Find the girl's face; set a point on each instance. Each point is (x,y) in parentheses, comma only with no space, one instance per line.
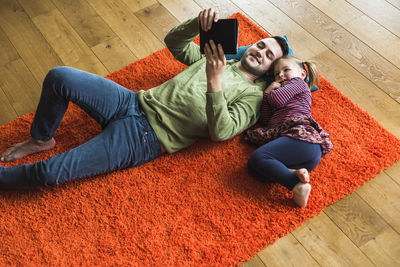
(286,70)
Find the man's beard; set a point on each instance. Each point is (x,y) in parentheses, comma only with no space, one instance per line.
(255,70)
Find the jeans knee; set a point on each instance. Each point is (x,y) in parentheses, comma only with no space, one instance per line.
(256,169)
(57,73)
(253,161)
(257,157)
(56,76)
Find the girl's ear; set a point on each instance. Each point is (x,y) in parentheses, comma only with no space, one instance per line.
(303,74)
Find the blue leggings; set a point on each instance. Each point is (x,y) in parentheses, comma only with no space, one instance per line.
(271,162)
(127,138)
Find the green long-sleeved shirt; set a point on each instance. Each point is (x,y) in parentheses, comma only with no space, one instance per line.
(181,111)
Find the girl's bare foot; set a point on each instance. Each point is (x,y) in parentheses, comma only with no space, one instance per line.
(26,148)
(302,174)
(301,192)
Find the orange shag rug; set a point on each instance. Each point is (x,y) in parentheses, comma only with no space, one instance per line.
(198,207)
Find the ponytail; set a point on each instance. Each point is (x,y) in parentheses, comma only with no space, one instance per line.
(312,73)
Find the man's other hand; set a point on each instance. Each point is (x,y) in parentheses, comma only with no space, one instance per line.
(207,17)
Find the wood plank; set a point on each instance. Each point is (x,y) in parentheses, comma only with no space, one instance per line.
(254,262)
(360,90)
(224,7)
(357,23)
(388,45)
(114,54)
(356,219)
(85,21)
(138,38)
(66,42)
(382,12)
(20,87)
(7,112)
(383,195)
(394,172)
(8,52)
(287,251)
(182,9)
(158,19)
(137,5)
(395,3)
(384,249)
(380,71)
(36,8)
(278,23)
(339,10)
(27,40)
(96,33)
(328,245)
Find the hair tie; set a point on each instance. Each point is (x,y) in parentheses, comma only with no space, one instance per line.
(305,67)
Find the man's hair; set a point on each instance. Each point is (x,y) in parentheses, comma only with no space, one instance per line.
(283,44)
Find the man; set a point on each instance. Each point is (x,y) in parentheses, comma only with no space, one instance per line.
(218,104)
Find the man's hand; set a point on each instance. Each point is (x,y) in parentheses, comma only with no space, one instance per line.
(272,86)
(207,17)
(215,64)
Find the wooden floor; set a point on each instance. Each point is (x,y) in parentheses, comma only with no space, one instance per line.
(355,43)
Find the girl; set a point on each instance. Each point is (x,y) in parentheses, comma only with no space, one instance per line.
(291,141)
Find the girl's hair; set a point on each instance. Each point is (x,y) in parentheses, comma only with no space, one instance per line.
(308,66)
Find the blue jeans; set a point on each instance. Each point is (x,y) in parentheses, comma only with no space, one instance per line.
(127,138)
(272,161)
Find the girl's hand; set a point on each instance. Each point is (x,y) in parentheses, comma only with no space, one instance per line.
(272,86)
(215,64)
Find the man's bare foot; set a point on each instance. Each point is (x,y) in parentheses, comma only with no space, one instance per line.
(301,192)
(26,148)
(302,174)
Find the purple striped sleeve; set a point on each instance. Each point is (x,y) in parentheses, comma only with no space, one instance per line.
(279,97)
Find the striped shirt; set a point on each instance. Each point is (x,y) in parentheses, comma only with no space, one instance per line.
(289,101)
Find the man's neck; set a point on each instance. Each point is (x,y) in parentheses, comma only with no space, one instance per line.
(251,77)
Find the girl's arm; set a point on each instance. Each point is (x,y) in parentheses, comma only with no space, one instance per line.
(280,96)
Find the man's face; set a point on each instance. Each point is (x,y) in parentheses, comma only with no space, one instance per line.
(258,58)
